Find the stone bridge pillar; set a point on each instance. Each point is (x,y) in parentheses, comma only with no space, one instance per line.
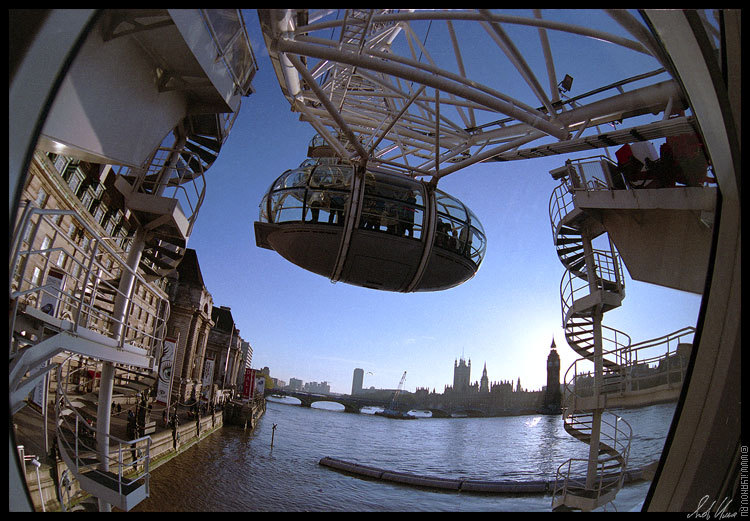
(350,407)
(306,401)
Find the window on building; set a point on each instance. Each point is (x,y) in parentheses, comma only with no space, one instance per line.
(60,162)
(100,213)
(27,233)
(41,198)
(75,180)
(36,277)
(75,269)
(86,199)
(122,238)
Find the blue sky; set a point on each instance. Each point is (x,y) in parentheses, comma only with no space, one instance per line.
(303,326)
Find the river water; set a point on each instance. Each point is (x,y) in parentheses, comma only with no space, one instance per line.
(234,470)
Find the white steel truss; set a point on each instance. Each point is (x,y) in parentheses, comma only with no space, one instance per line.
(428,92)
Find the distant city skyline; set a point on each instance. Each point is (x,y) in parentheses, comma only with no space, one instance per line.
(302,383)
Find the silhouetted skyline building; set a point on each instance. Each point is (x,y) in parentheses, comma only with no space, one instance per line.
(552,395)
(484,383)
(461,375)
(486,397)
(357,379)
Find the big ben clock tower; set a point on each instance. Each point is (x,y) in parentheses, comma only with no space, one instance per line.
(552,397)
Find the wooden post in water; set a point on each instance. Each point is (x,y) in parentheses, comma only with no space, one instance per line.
(273,432)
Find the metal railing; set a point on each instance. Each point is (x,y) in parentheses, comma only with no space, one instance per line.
(560,204)
(614,341)
(594,173)
(77,281)
(608,275)
(77,441)
(602,272)
(585,174)
(645,365)
(184,181)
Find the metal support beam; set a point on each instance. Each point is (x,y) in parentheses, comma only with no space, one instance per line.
(377,62)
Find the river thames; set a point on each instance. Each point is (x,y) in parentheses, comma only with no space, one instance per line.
(234,470)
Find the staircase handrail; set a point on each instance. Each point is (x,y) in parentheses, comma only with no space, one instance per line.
(607,269)
(615,433)
(140,452)
(618,436)
(561,200)
(560,204)
(588,285)
(665,339)
(623,379)
(184,173)
(88,284)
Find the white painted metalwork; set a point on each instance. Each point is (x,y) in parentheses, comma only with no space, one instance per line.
(429,92)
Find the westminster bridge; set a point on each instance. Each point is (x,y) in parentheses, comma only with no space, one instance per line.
(354,404)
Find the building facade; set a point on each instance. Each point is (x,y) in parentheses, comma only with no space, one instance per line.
(485,397)
(189,324)
(71,240)
(223,356)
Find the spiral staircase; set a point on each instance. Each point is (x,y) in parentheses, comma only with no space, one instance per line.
(611,371)
(167,197)
(591,286)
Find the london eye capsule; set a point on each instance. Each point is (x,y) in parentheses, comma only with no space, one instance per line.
(372,228)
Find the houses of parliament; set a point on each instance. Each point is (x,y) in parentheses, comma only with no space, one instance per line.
(495,398)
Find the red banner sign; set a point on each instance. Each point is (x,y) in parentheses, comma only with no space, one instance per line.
(248,384)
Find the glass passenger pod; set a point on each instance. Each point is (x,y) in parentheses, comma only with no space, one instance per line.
(394,245)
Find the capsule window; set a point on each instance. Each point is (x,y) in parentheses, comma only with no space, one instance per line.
(450,234)
(334,177)
(326,206)
(392,206)
(287,205)
(308,163)
(264,209)
(328,194)
(476,246)
(450,206)
(396,218)
(296,178)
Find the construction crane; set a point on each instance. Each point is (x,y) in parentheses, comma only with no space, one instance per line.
(398,391)
(391,411)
